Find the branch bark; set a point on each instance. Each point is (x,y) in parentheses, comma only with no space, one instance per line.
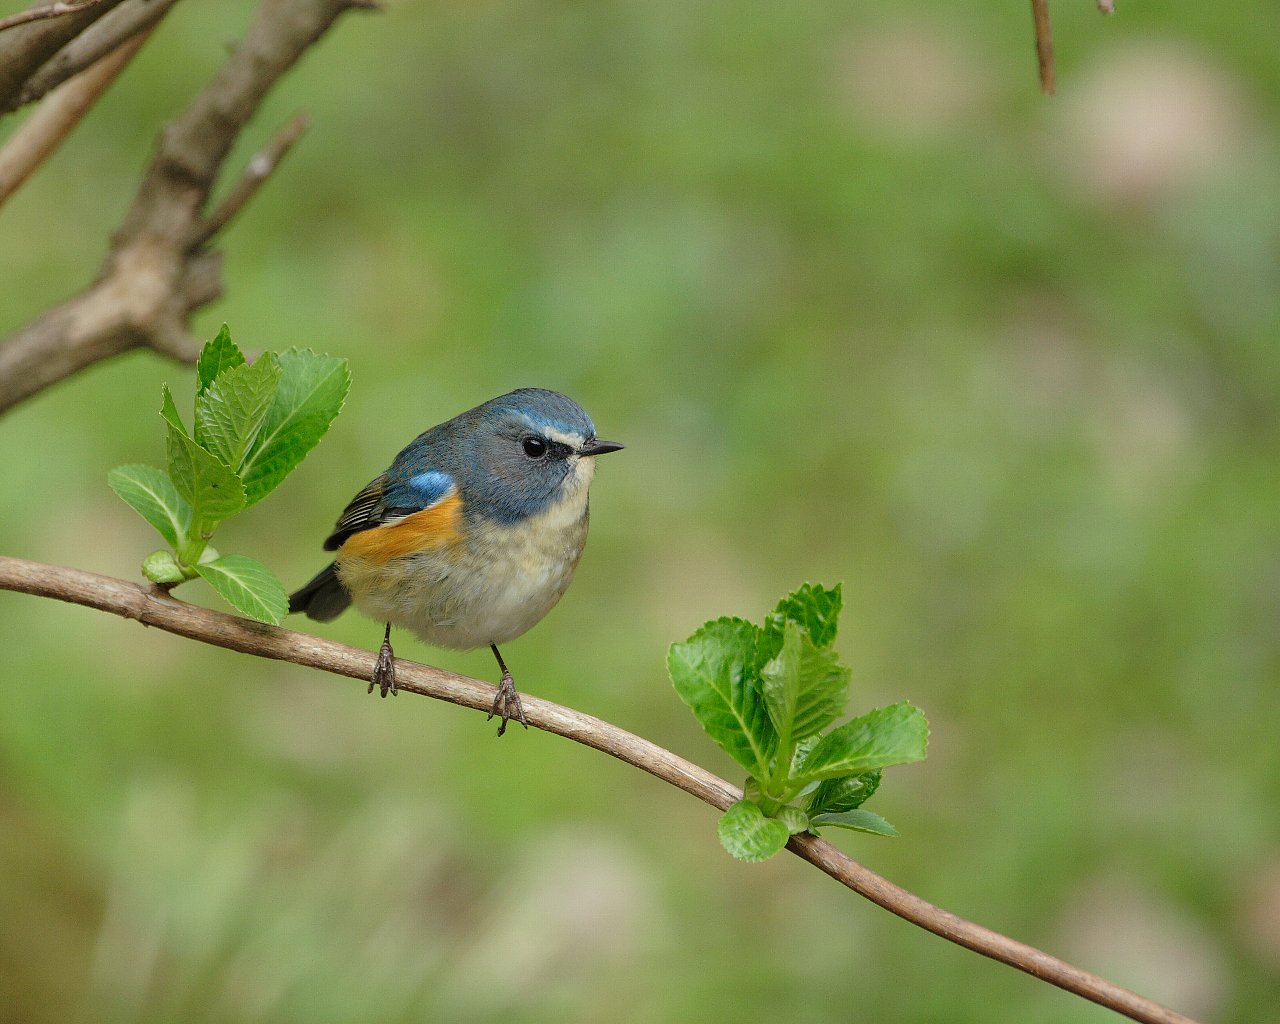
(125,22)
(28,44)
(1044,45)
(153,607)
(51,11)
(42,133)
(157,273)
(259,169)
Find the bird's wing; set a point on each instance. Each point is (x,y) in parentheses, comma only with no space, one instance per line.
(387,500)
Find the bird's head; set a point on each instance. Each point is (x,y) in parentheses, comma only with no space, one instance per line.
(529,450)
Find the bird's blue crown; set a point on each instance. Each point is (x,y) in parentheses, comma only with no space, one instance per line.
(481,453)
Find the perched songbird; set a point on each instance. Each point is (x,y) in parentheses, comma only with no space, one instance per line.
(471,536)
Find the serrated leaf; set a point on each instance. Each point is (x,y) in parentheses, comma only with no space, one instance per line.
(805,687)
(217,355)
(230,411)
(860,820)
(213,491)
(150,493)
(310,394)
(813,607)
(897,734)
(248,586)
(748,835)
(713,672)
(844,794)
(780,683)
(170,411)
(824,689)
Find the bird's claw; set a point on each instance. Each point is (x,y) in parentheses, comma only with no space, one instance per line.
(507,704)
(384,670)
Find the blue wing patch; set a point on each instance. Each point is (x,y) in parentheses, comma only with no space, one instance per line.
(428,488)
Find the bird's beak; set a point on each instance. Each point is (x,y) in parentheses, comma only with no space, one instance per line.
(600,448)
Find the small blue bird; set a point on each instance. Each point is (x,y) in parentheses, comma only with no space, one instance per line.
(471,536)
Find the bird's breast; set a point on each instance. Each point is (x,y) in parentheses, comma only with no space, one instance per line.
(489,586)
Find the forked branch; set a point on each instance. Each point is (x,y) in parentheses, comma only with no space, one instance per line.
(158,271)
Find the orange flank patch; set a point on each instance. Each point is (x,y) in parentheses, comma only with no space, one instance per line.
(436,527)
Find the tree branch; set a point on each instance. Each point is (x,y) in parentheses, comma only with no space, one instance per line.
(43,132)
(29,43)
(260,168)
(102,37)
(151,283)
(153,607)
(1044,44)
(51,11)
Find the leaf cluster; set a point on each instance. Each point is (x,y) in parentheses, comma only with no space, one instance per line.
(765,693)
(253,424)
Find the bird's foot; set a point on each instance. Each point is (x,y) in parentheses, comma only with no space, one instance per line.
(384,670)
(507,703)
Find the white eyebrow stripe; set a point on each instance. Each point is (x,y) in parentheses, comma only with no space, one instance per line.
(574,441)
(572,438)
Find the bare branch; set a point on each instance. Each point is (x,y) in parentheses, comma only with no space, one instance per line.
(26,46)
(154,607)
(256,173)
(42,133)
(52,11)
(147,289)
(94,325)
(99,39)
(1044,44)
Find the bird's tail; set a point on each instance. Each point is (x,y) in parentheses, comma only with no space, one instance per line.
(324,598)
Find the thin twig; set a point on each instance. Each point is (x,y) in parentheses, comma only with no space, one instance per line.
(42,133)
(153,607)
(149,286)
(28,45)
(1044,44)
(259,168)
(99,39)
(40,13)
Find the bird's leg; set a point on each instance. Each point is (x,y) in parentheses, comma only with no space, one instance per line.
(384,671)
(507,702)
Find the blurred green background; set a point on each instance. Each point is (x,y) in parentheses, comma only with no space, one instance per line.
(865,306)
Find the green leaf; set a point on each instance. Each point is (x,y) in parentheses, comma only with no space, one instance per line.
(824,689)
(794,818)
(150,493)
(780,682)
(805,687)
(248,586)
(748,835)
(311,392)
(161,567)
(894,735)
(812,607)
(214,491)
(857,821)
(801,752)
(844,794)
(713,672)
(217,355)
(230,410)
(170,411)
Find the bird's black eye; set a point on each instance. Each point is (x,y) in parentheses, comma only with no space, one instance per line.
(535,447)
